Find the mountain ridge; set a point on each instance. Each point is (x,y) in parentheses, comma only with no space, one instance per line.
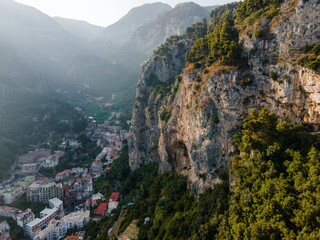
(118,33)
(79,28)
(190,130)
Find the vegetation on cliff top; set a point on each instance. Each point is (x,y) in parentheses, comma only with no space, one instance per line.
(219,45)
(311,57)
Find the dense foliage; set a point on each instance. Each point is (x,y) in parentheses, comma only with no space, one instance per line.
(275,193)
(220,44)
(223,41)
(198,30)
(311,57)
(254,8)
(173,210)
(28,118)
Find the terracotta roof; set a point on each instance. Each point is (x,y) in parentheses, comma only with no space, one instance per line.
(115,196)
(72,238)
(101,210)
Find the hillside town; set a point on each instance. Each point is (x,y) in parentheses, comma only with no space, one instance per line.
(69,195)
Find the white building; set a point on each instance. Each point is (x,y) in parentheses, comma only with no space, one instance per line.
(33,228)
(29,168)
(6,211)
(50,162)
(24,217)
(11,194)
(78,170)
(75,219)
(4,230)
(58,228)
(111,206)
(52,232)
(56,202)
(42,191)
(74,143)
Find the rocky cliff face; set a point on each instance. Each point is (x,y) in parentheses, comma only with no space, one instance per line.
(161,71)
(190,129)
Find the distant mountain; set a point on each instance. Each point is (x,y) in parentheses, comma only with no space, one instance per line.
(210,8)
(35,53)
(81,29)
(33,46)
(123,47)
(117,34)
(40,54)
(108,70)
(175,22)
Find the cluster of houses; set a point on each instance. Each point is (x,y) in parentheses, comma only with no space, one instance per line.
(4,230)
(50,225)
(53,223)
(21,217)
(109,137)
(73,186)
(77,185)
(11,192)
(32,161)
(107,207)
(70,188)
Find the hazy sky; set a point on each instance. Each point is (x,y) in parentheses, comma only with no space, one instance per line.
(100,12)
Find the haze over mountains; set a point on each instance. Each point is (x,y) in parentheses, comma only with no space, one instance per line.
(33,46)
(43,56)
(120,50)
(175,22)
(117,34)
(80,29)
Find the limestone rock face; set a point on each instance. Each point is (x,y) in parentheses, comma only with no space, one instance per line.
(189,126)
(144,132)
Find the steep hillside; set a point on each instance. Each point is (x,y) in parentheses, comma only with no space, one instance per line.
(81,29)
(34,48)
(28,118)
(267,58)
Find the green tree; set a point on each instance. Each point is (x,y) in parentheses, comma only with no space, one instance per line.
(223,41)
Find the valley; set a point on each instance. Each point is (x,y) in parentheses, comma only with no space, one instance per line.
(184,122)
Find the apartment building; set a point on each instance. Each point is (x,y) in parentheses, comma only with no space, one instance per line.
(24,217)
(43,190)
(58,228)
(33,228)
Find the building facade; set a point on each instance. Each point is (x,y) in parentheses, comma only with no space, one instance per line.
(4,230)
(38,228)
(43,190)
